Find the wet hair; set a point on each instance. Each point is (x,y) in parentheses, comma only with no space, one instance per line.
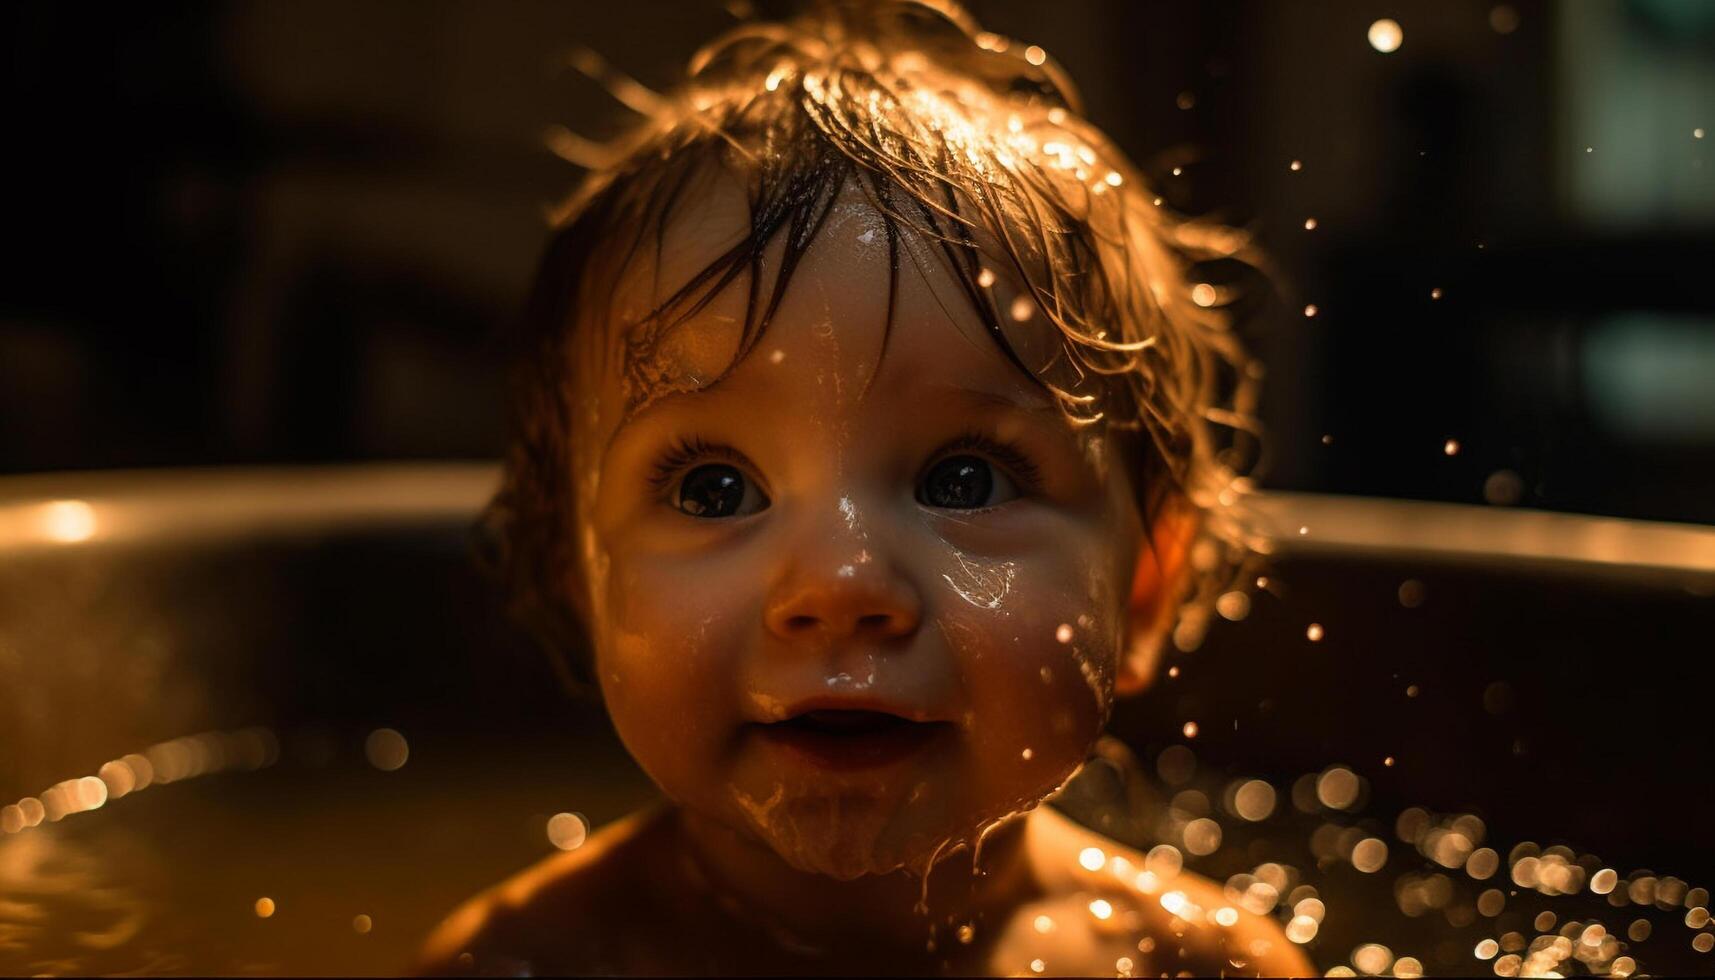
(975,142)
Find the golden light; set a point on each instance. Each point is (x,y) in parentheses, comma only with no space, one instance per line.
(1451,447)
(1386,36)
(386,749)
(1314,632)
(1190,729)
(1037,966)
(1233,606)
(1254,800)
(264,907)
(1302,929)
(1369,855)
(1226,916)
(1044,924)
(118,777)
(1337,788)
(1603,881)
(361,924)
(1092,858)
(1202,836)
(1372,958)
(1310,310)
(1309,224)
(1295,166)
(1203,294)
(1035,55)
(1101,908)
(66,521)
(1487,949)
(567,831)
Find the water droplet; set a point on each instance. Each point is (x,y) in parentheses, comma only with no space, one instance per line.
(1385,36)
(386,749)
(567,831)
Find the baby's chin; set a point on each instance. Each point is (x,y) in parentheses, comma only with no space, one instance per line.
(840,835)
(848,837)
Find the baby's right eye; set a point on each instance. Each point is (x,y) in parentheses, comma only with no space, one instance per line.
(705,489)
(718,490)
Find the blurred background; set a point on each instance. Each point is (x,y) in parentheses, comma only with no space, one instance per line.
(248,235)
(253,232)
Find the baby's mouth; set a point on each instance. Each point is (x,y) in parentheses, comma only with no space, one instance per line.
(851,739)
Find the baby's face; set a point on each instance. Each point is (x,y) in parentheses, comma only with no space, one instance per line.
(941,547)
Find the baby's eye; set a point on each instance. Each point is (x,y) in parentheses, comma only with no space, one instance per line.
(718,490)
(963,483)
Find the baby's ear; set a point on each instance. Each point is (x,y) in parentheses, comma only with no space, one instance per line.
(1158,584)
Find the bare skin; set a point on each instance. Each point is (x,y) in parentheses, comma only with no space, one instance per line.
(632,900)
(841,575)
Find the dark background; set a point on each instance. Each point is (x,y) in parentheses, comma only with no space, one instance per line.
(279,232)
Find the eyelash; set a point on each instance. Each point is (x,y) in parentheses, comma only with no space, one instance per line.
(694,449)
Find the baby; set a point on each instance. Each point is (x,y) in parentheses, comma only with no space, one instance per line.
(864,443)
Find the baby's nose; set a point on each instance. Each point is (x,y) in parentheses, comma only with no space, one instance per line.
(837,586)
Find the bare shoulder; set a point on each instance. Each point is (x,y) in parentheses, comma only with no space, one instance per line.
(1102,913)
(557,916)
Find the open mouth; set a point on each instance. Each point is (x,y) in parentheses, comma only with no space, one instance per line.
(842,739)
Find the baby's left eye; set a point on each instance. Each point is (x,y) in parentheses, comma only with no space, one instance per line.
(964,483)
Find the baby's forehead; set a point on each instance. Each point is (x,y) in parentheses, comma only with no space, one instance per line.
(865,295)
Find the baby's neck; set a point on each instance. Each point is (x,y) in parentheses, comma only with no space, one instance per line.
(816,914)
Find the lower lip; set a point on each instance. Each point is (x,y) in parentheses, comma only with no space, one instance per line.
(853,752)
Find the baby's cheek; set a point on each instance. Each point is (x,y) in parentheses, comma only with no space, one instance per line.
(1039,677)
(665,666)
